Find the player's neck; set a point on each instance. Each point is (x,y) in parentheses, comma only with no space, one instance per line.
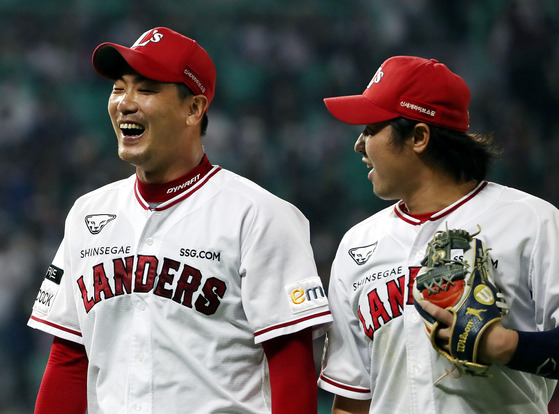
(435,197)
(171,166)
(161,192)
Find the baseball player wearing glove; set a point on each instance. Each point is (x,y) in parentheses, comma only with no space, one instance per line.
(448,258)
(185,287)
(457,275)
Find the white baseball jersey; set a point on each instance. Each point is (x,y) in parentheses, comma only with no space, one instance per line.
(378,348)
(172,303)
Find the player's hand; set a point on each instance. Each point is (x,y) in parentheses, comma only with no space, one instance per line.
(497,344)
(445,320)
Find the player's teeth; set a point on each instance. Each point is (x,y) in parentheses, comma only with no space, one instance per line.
(130,126)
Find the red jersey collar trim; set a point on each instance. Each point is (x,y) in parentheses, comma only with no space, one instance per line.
(401,210)
(171,193)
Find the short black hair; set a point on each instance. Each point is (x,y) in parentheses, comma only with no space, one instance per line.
(466,156)
(184,92)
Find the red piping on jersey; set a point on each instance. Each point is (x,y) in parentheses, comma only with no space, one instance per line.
(283,325)
(342,386)
(400,208)
(56,326)
(205,170)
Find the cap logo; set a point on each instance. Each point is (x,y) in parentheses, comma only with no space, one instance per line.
(155,37)
(376,79)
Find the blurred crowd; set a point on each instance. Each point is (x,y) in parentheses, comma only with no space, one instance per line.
(276,61)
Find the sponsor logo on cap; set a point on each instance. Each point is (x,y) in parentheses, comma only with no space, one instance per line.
(417,107)
(195,79)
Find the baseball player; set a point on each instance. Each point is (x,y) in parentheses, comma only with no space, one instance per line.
(185,287)
(378,358)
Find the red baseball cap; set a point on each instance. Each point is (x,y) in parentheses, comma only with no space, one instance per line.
(163,55)
(412,87)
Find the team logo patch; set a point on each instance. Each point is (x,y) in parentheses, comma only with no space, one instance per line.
(96,222)
(362,254)
(306,294)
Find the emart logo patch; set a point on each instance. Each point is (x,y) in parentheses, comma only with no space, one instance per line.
(306,294)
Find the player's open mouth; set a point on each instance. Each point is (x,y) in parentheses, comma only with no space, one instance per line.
(130,129)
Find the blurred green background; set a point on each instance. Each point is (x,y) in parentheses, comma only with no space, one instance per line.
(276,61)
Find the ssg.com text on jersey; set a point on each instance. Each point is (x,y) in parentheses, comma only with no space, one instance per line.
(202,254)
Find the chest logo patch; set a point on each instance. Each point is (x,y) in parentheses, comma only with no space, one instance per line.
(96,222)
(362,254)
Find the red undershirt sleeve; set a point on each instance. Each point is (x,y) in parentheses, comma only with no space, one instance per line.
(64,385)
(292,373)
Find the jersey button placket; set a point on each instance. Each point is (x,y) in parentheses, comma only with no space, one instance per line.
(140,363)
(140,357)
(151,226)
(417,342)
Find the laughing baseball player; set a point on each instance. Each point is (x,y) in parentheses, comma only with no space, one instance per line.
(184,288)
(447,301)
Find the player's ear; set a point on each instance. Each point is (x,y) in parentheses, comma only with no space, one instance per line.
(421,136)
(197,107)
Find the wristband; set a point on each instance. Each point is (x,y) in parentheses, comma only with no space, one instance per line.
(537,353)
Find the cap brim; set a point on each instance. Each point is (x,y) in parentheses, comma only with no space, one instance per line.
(111,60)
(357,110)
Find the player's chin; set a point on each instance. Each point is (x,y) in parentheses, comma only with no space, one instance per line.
(376,182)
(371,174)
(383,192)
(130,154)
(130,143)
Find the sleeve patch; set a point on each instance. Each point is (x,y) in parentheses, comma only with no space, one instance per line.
(306,294)
(45,297)
(54,274)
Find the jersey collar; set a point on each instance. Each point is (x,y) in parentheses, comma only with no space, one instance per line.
(416,219)
(168,194)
